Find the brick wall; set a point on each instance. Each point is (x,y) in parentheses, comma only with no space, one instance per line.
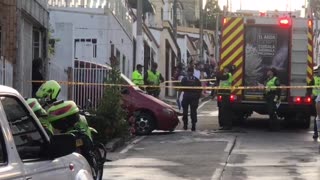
(8,21)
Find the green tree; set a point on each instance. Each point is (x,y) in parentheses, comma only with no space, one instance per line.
(110,120)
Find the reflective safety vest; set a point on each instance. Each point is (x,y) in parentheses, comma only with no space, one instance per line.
(271,84)
(153,78)
(226,83)
(137,78)
(316,90)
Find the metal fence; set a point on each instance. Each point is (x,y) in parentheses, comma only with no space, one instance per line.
(117,7)
(6,72)
(87,72)
(78,3)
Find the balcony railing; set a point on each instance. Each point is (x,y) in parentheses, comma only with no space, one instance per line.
(78,3)
(117,7)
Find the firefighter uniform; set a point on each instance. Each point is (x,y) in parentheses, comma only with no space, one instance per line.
(190,98)
(225,113)
(272,96)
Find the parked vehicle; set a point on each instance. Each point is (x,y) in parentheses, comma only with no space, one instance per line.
(66,117)
(255,44)
(150,113)
(27,152)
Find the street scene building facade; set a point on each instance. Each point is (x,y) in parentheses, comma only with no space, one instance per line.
(23,32)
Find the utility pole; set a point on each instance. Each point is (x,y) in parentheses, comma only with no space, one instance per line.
(316,35)
(201,32)
(139,46)
(227,6)
(216,38)
(175,6)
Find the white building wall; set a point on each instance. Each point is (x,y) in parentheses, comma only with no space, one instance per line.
(182,43)
(88,25)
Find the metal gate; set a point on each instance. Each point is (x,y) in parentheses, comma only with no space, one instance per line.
(93,74)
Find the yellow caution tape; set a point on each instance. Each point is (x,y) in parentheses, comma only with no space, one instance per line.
(179,87)
(202,80)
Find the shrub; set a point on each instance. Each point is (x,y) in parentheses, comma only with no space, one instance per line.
(110,120)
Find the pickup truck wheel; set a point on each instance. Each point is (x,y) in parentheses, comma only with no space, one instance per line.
(144,124)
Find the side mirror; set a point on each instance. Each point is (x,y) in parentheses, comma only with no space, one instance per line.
(125,91)
(62,145)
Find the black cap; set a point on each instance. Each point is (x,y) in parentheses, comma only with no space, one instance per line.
(139,66)
(273,70)
(227,67)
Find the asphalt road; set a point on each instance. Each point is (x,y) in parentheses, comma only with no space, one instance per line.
(247,152)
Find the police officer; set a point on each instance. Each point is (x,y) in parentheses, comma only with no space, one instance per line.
(190,98)
(154,78)
(225,114)
(272,97)
(137,77)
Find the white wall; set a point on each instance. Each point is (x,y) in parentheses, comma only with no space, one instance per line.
(88,25)
(182,43)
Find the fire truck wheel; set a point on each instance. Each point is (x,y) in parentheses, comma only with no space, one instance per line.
(239,119)
(298,121)
(305,122)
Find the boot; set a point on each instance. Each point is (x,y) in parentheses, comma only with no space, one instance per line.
(193,127)
(185,126)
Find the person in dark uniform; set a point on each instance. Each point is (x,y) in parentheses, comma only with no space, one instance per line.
(225,114)
(190,98)
(36,75)
(272,97)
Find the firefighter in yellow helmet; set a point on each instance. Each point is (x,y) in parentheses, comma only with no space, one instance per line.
(154,78)
(272,97)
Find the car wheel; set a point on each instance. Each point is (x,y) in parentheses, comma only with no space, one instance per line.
(144,124)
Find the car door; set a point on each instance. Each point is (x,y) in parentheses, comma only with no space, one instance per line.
(31,143)
(9,168)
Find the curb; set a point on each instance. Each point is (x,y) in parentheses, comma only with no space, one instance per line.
(115,144)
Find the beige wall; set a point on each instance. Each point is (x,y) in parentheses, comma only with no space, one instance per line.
(158,6)
(166,37)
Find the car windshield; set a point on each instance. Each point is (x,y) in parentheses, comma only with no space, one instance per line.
(127,81)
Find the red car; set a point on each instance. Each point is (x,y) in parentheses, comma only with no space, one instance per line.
(152,113)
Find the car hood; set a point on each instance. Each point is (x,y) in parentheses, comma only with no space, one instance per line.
(151,98)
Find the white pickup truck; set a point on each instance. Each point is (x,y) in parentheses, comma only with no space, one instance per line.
(26,151)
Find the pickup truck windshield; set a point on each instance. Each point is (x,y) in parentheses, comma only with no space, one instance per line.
(28,140)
